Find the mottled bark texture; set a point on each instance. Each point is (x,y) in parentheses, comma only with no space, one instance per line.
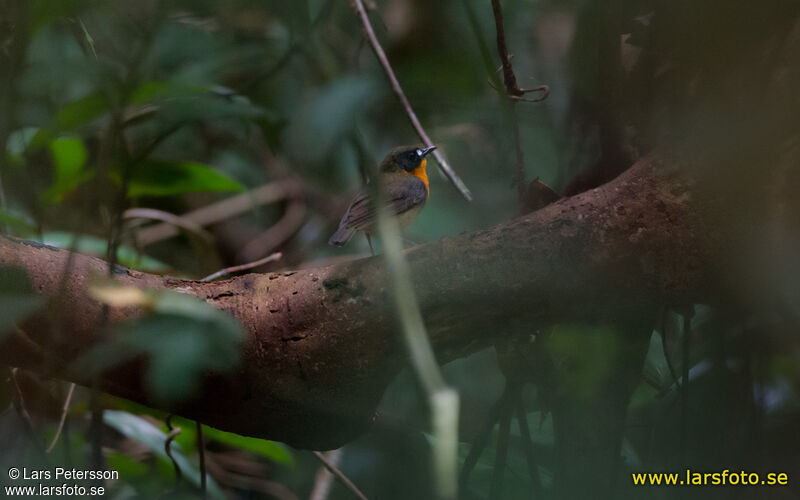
(322,344)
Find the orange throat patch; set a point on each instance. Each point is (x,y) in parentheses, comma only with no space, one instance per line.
(422,174)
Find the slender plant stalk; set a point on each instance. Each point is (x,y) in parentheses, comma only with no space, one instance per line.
(339,475)
(201,452)
(64,411)
(443,400)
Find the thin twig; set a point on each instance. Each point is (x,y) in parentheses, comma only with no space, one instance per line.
(323,480)
(515,94)
(201,453)
(223,209)
(519,175)
(276,235)
(527,443)
(479,443)
(175,220)
(271,489)
(22,410)
(173,433)
(243,267)
(398,90)
(369,241)
(503,435)
(509,78)
(339,475)
(63,419)
(685,349)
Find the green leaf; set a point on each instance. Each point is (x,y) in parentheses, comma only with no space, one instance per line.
(151,91)
(69,157)
(188,436)
(139,429)
(180,102)
(183,338)
(276,452)
(329,117)
(20,222)
(159,178)
(128,467)
(81,111)
(17,300)
(656,368)
(179,352)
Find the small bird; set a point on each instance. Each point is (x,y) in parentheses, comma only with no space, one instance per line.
(405,184)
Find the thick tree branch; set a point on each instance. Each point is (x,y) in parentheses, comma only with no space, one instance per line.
(322,343)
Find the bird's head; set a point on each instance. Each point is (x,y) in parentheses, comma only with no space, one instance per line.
(406,159)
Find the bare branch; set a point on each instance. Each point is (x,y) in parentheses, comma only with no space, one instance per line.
(509,78)
(243,267)
(168,218)
(173,433)
(323,479)
(63,418)
(515,94)
(222,210)
(277,234)
(340,475)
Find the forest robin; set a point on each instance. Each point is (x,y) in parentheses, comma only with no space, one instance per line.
(405,185)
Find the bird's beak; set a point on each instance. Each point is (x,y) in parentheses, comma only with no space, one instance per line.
(425,151)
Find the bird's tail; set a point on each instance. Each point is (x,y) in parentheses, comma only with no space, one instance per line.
(341,236)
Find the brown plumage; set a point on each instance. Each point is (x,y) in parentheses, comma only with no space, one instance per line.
(405,184)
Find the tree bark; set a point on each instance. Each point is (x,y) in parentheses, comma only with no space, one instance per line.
(322,344)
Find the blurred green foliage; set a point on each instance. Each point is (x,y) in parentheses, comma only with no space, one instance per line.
(152,437)
(181,338)
(176,105)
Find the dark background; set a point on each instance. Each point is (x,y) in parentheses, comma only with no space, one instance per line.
(104,103)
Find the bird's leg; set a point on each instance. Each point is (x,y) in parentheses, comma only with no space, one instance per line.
(369,240)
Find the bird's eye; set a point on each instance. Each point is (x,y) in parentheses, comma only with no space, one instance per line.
(419,152)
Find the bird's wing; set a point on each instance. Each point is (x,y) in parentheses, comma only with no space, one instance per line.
(406,194)
(402,195)
(360,212)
